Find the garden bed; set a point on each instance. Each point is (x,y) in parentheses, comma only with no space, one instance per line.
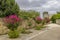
(23,36)
(19,24)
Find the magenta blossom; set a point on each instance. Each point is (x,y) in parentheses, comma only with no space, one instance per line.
(38,18)
(13,16)
(12,19)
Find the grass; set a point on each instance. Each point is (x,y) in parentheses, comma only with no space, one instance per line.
(25,31)
(39,27)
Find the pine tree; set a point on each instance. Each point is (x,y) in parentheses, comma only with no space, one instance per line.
(8,7)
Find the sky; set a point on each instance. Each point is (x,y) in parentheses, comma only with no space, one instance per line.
(40,5)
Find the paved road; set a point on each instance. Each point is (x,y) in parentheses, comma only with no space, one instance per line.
(52,34)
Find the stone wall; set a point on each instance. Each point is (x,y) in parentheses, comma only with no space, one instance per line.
(25,23)
(3,28)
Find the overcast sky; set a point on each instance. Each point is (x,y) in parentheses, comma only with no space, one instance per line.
(40,5)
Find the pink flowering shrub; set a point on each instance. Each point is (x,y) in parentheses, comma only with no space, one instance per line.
(38,19)
(12,21)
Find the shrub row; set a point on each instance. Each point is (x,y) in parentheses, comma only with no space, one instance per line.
(54,17)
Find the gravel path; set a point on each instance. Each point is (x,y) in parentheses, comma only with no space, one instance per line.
(52,34)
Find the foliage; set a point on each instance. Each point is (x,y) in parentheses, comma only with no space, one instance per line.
(54,17)
(8,7)
(13,34)
(38,19)
(12,21)
(29,14)
(33,14)
(58,12)
(29,23)
(43,22)
(24,14)
(24,31)
(39,27)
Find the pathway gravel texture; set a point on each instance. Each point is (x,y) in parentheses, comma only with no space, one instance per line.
(53,33)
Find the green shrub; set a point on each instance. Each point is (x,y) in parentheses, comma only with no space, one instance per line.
(54,17)
(28,14)
(43,22)
(13,34)
(8,7)
(29,23)
(39,27)
(24,31)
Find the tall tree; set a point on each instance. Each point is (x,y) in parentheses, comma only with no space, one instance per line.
(8,7)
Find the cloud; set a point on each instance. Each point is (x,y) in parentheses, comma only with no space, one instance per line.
(32,0)
(30,4)
(39,5)
(50,4)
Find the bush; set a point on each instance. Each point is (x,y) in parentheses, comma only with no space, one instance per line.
(54,17)
(29,14)
(29,23)
(8,7)
(13,34)
(38,19)
(43,22)
(24,31)
(12,21)
(39,27)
